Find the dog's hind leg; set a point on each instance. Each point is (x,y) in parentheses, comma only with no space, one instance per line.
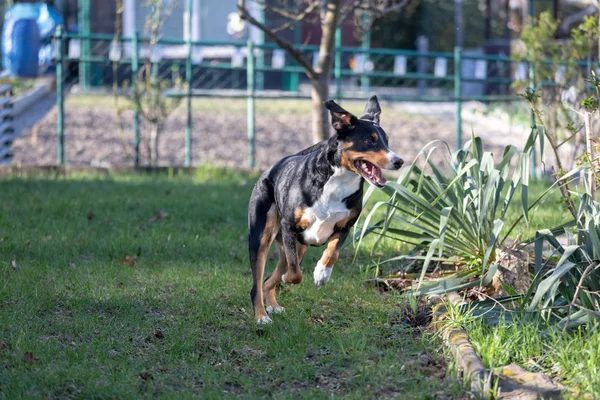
(263,224)
(275,279)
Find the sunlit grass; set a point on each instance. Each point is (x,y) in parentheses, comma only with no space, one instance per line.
(138,285)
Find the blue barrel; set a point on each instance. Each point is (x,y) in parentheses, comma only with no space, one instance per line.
(20,47)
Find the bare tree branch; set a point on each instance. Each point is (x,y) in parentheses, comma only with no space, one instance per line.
(296,55)
(376,9)
(297,17)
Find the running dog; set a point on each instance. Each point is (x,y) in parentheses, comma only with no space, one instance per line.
(312,198)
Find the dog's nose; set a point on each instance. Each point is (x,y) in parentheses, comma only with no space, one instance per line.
(398,162)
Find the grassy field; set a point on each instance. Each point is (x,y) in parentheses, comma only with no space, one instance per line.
(133,286)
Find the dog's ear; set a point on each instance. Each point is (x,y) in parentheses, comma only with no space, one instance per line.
(332,149)
(340,118)
(372,110)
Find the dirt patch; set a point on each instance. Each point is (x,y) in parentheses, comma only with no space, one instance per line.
(220,138)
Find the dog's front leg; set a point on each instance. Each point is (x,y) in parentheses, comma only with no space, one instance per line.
(330,255)
(290,246)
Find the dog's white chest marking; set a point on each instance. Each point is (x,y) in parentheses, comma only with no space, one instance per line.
(329,209)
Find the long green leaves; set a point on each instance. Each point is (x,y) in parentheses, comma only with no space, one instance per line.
(568,293)
(451,210)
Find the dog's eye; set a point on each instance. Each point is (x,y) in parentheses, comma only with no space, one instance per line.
(370,140)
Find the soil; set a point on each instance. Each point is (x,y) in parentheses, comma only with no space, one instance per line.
(93,139)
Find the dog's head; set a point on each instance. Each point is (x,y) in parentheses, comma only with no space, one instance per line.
(360,144)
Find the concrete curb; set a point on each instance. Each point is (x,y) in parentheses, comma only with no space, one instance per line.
(513,382)
(473,371)
(470,368)
(22,102)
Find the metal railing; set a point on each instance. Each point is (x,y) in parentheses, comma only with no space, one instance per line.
(7,131)
(238,70)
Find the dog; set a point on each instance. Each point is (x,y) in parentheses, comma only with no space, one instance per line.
(313,198)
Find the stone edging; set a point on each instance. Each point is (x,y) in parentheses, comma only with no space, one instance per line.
(22,102)
(470,367)
(513,381)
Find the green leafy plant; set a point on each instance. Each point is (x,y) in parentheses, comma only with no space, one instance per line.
(454,218)
(557,85)
(567,293)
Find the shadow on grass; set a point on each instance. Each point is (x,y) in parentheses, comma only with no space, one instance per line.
(138,285)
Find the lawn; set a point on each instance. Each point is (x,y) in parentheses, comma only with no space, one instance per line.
(138,285)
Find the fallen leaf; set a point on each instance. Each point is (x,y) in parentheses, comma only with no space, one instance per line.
(159,214)
(158,334)
(145,375)
(128,260)
(29,357)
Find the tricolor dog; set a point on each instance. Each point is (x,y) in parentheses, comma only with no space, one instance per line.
(314,198)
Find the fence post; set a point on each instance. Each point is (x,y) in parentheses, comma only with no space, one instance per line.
(85,70)
(337,71)
(188,78)
(135,67)
(533,124)
(250,103)
(422,47)
(60,96)
(365,81)
(458,94)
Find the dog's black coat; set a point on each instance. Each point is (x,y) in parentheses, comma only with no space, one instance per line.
(296,183)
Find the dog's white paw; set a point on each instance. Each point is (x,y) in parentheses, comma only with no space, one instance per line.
(321,274)
(266,320)
(275,310)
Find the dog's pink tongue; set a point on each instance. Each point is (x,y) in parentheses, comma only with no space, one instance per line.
(376,175)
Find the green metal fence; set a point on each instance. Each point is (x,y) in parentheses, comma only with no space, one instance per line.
(94,62)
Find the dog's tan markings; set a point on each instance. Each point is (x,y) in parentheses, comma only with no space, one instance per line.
(331,253)
(348,157)
(342,223)
(378,158)
(293,276)
(300,222)
(324,267)
(342,119)
(270,284)
(375,136)
(271,228)
(274,280)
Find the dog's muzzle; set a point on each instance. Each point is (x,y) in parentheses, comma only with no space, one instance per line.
(395,162)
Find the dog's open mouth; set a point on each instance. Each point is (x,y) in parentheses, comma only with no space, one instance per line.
(371,172)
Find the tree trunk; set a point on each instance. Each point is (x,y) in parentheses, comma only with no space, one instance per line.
(320,119)
(320,91)
(154,129)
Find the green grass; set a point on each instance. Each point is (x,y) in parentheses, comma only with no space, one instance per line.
(19,85)
(80,319)
(572,357)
